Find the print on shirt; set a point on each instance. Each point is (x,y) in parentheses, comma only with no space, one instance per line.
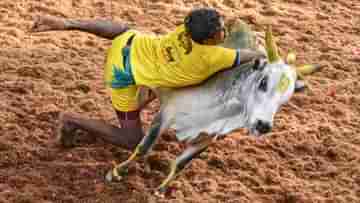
(169,56)
(170,52)
(185,42)
(173,50)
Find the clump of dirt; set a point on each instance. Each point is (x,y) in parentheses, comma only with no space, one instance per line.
(313,155)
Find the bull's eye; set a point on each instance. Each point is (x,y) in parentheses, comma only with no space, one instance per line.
(263,84)
(259,64)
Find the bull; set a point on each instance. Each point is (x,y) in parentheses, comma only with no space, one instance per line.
(247,96)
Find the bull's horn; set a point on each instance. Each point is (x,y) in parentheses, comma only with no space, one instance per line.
(271,48)
(291,58)
(308,69)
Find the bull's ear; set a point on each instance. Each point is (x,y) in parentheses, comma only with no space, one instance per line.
(291,58)
(300,85)
(307,69)
(271,47)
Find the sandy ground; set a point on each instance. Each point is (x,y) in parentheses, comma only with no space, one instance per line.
(313,154)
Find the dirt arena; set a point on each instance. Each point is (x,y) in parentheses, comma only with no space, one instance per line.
(313,154)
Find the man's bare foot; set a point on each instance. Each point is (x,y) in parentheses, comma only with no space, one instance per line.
(66,131)
(49,23)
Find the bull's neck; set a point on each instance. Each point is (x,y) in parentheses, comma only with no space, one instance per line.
(233,87)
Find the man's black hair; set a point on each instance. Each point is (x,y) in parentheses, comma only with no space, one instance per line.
(202,24)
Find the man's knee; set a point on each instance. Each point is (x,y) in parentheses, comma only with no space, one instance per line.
(134,137)
(129,119)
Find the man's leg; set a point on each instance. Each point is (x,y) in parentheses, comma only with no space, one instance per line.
(128,136)
(141,150)
(101,28)
(182,160)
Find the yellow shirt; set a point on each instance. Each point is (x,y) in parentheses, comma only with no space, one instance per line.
(174,60)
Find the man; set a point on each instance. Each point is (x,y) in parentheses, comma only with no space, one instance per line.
(186,56)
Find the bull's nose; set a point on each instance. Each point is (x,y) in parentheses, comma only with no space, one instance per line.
(263,126)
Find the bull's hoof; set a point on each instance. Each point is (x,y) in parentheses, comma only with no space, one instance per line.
(164,192)
(109,176)
(116,175)
(161,192)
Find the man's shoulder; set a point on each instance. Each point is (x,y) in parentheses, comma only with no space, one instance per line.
(215,49)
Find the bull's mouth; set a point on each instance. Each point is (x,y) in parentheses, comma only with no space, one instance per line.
(254,132)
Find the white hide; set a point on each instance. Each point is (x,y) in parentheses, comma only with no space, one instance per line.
(228,101)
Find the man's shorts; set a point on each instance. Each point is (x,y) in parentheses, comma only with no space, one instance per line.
(123,99)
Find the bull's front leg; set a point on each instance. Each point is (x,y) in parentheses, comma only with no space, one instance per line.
(141,150)
(181,161)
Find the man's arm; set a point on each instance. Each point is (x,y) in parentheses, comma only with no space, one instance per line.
(246,55)
(222,58)
(101,28)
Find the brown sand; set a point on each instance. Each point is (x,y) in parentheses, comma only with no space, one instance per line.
(313,155)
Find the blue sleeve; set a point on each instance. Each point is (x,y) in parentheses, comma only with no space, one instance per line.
(237,59)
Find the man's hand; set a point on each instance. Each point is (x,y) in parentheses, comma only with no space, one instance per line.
(48,23)
(247,55)
(146,95)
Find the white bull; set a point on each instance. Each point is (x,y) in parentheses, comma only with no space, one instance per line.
(243,97)
(247,96)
